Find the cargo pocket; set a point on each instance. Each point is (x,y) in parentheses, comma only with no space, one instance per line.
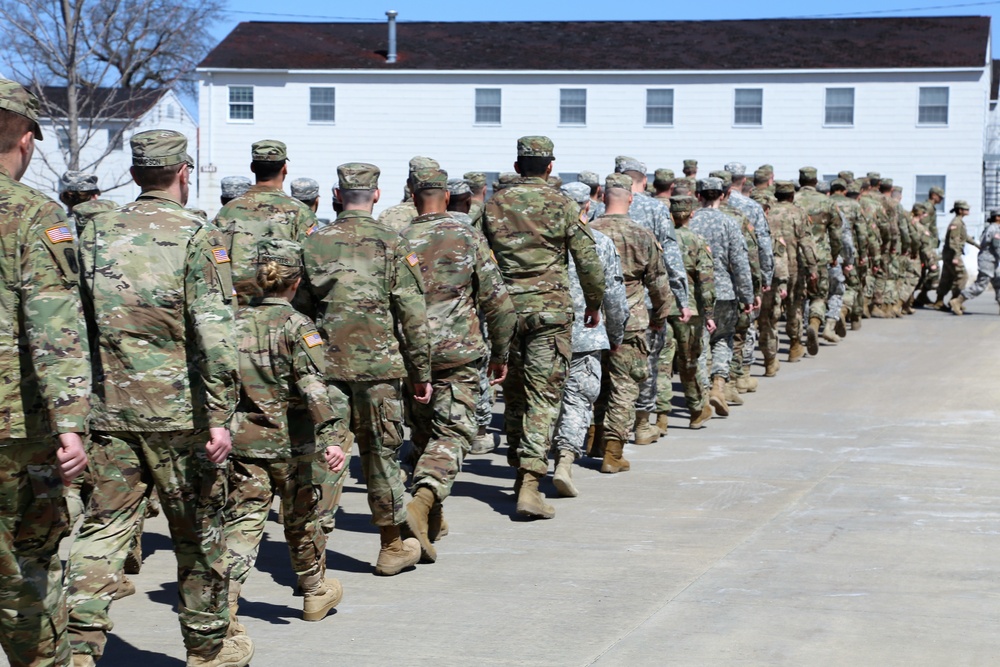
(639,369)
(45,519)
(391,415)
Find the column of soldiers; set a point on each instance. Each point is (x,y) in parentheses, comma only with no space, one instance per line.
(223,363)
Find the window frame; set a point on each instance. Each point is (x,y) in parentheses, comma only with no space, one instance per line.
(314,105)
(239,103)
(564,106)
(737,108)
(477,106)
(827,108)
(652,107)
(921,106)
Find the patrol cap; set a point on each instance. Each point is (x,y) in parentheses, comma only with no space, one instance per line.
(846,176)
(459,187)
(421,162)
(534,146)
(784,187)
(618,181)
(761,175)
(683,203)
(807,174)
(279,250)
(690,164)
(235,186)
(508,177)
(268,150)
(588,178)
(578,192)
(15,98)
(474,179)
(625,163)
(159,148)
(305,189)
(887,182)
(358,176)
(663,176)
(768,169)
(712,183)
(823,186)
(429,178)
(854,188)
(918,207)
(722,175)
(896,189)
(684,186)
(936,191)
(78,181)
(737,169)
(960,204)
(838,183)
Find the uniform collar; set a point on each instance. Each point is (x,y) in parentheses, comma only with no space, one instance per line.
(159,194)
(431,217)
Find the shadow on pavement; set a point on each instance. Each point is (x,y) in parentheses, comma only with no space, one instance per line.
(122,654)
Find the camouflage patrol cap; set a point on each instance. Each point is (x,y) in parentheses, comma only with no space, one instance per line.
(690,164)
(854,188)
(684,186)
(421,162)
(474,179)
(235,186)
(874,177)
(78,181)
(358,176)
(159,148)
(459,187)
(784,187)
(960,204)
(683,204)
(722,175)
(588,178)
(768,168)
(508,177)
(710,184)
(847,176)
(887,182)
(918,207)
(823,186)
(268,150)
(534,146)
(761,175)
(305,189)
(578,192)
(280,251)
(618,181)
(807,174)
(15,98)
(897,189)
(936,191)
(429,178)
(838,183)
(737,169)
(663,176)
(625,163)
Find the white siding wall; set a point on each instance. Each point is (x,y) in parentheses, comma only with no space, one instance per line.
(386,119)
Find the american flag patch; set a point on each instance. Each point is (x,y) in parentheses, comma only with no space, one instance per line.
(413,259)
(310,231)
(59,234)
(312,339)
(220,255)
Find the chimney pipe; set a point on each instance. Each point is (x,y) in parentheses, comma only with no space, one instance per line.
(391,55)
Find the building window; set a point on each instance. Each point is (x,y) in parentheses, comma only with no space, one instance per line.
(322,105)
(488,106)
(840,106)
(116,139)
(749,108)
(240,102)
(660,106)
(933,106)
(573,106)
(62,134)
(924,185)
(170,111)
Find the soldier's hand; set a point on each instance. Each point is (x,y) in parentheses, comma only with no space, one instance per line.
(685,314)
(755,305)
(497,373)
(219,443)
(956,262)
(334,458)
(710,325)
(591,318)
(71,455)
(422,392)
(783,292)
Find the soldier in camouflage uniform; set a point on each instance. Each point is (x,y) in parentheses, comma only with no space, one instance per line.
(628,365)
(461,283)
(909,256)
(233,187)
(476,180)
(504,181)
(929,258)
(953,275)
(531,228)
(593,181)
(733,283)
(663,185)
(78,190)
(362,285)
(989,258)
(306,190)
(854,271)
(827,227)
(284,426)
(584,382)
(690,169)
(770,309)
(872,210)
(158,295)
(892,306)
(934,197)
(45,395)
(399,216)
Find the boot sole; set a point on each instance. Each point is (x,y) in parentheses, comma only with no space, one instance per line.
(320,614)
(812,342)
(565,487)
(645,441)
(524,511)
(720,406)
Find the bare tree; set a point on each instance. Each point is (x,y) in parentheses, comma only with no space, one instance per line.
(97,64)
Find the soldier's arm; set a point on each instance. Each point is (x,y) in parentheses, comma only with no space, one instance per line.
(765,246)
(706,282)
(308,368)
(655,280)
(616,311)
(494,303)
(588,264)
(209,301)
(836,228)
(807,247)
(847,239)
(739,263)
(53,319)
(406,296)
(676,273)
(756,276)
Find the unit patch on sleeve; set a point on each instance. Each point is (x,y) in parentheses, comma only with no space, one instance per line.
(413,259)
(59,234)
(220,255)
(312,339)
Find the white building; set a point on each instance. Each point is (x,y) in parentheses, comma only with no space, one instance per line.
(107,141)
(907,97)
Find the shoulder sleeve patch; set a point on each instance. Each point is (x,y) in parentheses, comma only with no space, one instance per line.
(312,339)
(59,234)
(309,232)
(412,259)
(220,255)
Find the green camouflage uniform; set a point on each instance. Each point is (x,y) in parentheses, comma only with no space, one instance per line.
(688,335)
(530,226)
(790,226)
(743,340)
(852,214)
(399,216)
(953,274)
(84,211)
(460,281)
(825,224)
(45,391)
(159,299)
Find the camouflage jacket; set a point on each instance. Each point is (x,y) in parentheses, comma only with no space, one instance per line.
(854,219)
(700,273)
(460,281)
(931,220)
(873,212)
(476,211)
(889,229)
(44,364)
(729,252)
(263,211)
(825,223)
(158,294)
(790,226)
(750,238)
(928,242)
(284,409)
(907,235)
(530,226)
(955,238)
(362,286)
(84,211)
(654,215)
(765,247)
(611,329)
(642,269)
(399,216)
(989,249)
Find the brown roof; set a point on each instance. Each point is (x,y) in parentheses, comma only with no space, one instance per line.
(117,103)
(919,42)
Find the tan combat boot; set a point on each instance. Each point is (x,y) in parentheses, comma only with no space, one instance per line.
(530,501)
(396,554)
(771,367)
(595,441)
(125,589)
(417,514)
(437,527)
(732,394)
(613,459)
(897,309)
(717,396)
(697,419)
(956,305)
(563,476)
(321,595)
(483,443)
(840,328)
(645,433)
(937,305)
(796,351)
(750,381)
(235,627)
(662,422)
(855,323)
(880,312)
(235,652)
(812,335)
(829,335)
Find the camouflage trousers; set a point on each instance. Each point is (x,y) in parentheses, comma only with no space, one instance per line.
(819,293)
(583,386)
(930,273)
(911,269)
(665,373)
(767,322)
(687,337)
(192,493)
(442,431)
(744,344)
(621,373)
(252,486)
(853,288)
(377,425)
(979,286)
(885,282)
(720,343)
(657,342)
(837,288)
(953,278)
(32,522)
(532,393)
(793,306)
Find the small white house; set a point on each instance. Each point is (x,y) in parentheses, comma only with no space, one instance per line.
(907,97)
(107,142)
